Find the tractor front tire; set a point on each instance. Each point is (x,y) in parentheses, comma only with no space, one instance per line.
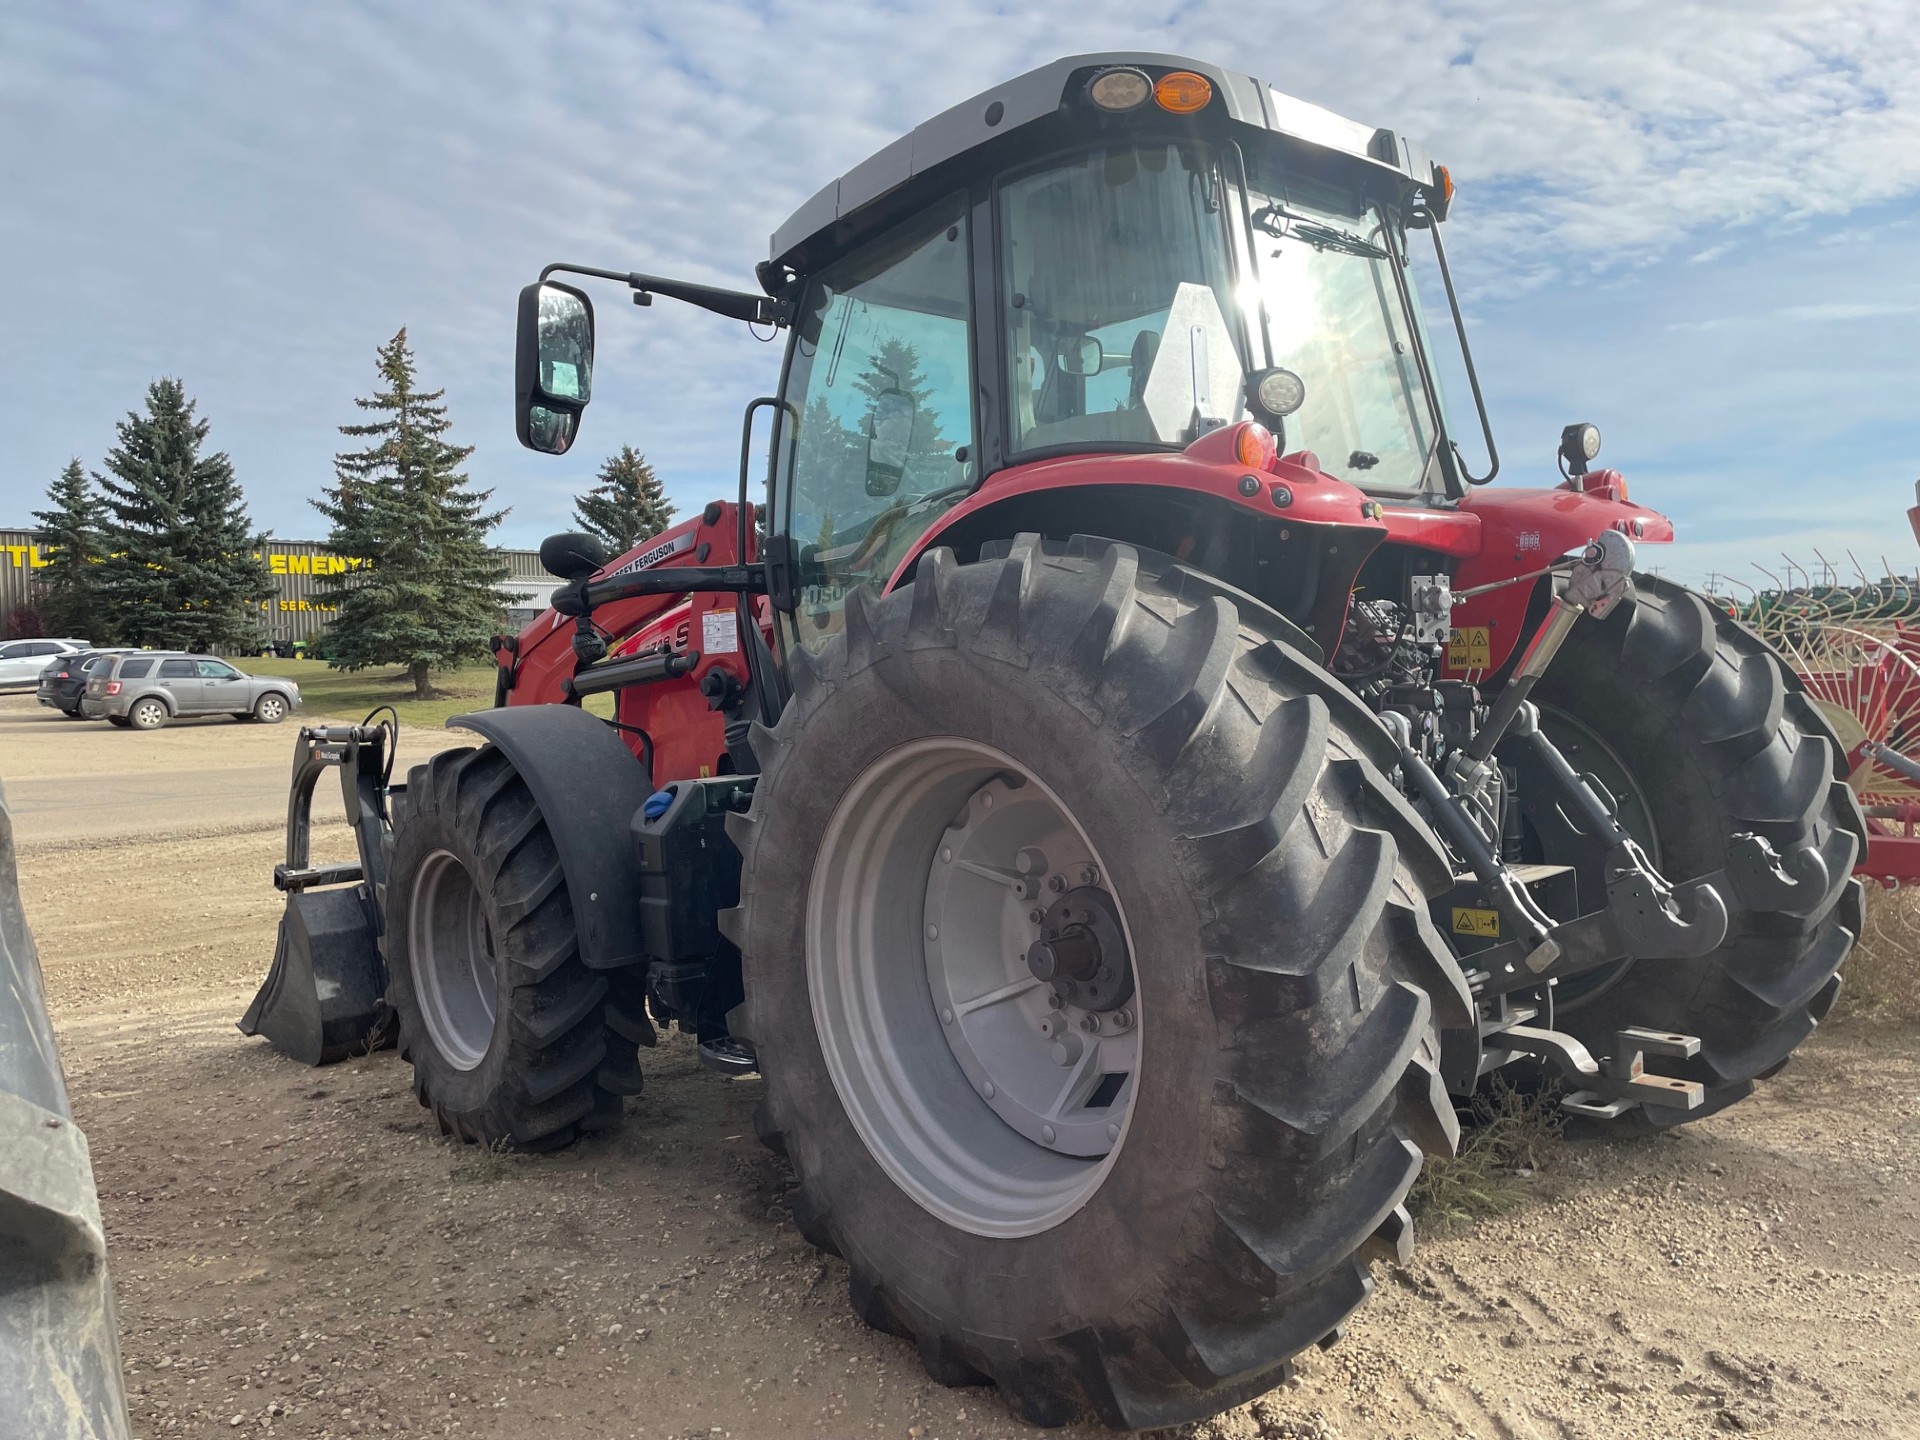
(1149,1224)
(1701,733)
(511,1037)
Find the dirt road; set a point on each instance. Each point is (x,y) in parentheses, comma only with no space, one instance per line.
(299,1254)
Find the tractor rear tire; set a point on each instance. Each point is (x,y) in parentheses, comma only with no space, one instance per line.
(511,1037)
(1230,796)
(1714,736)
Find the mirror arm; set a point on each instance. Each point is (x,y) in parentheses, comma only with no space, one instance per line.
(734,304)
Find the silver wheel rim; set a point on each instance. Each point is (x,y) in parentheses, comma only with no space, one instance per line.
(270,709)
(148,712)
(1587,752)
(450,950)
(995,1109)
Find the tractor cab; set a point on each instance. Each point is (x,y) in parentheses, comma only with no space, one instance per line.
(1110,256)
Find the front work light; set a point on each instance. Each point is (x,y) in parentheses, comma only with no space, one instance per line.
(1277,393)
(1120,89)
(1578,445)
(1181,92)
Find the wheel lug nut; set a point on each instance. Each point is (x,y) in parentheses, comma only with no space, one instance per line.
(1089,875)
(1123,1018)
(1054,1002)
(1057,883)
(1090,1024)
(1036,915)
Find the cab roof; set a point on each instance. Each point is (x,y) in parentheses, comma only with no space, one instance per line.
(1042,92)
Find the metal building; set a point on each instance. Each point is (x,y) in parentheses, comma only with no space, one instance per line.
(297,612)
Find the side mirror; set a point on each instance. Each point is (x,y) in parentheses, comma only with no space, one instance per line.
(1081,357)
(553,366)
(889,438)
(572,556)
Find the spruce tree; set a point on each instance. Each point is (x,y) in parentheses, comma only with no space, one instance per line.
(70,544)
(628,505)
(180,565)
(896,366)
(421,587)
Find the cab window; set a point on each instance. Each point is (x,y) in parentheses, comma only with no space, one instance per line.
(1118,301)
(879,434)
(135,669)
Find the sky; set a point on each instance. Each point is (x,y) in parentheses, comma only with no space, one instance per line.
(1695,225)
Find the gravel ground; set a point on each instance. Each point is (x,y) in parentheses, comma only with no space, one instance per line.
(298,1253)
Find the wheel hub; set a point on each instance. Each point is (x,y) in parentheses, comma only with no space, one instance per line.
(1030,1021)
(1081,951)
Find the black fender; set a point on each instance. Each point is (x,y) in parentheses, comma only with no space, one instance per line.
(588,786)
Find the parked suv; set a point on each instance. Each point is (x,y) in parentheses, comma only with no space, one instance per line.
(64,682)
(146,690)
(21,661)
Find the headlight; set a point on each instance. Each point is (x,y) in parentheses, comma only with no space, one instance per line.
(1276,393)
(1119,89)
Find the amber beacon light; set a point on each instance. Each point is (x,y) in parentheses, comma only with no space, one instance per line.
(1182,92)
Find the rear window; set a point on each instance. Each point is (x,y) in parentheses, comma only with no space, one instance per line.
(135,669)
(176,669)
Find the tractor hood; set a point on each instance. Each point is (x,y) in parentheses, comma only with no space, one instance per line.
(1006,109)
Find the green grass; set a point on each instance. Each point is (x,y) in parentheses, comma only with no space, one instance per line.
(1507,1140)
(329,694)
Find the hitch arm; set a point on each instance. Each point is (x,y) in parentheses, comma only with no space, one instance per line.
(1611,1087)
(1528,920)
(1601,579)
(1657,920)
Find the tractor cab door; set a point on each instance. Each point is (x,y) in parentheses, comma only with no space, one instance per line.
(879,437)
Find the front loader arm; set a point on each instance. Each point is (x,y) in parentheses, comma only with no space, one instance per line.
(537,665)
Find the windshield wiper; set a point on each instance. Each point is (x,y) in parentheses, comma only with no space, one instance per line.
(1284,224)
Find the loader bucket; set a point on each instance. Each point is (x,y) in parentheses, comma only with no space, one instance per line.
(325,997)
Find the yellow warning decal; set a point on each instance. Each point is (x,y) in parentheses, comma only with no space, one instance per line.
(1470,648)
(1476,922)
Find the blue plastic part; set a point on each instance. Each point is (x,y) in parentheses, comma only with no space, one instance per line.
(657,804)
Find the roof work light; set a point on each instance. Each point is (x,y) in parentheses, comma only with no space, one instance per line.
(1120,89)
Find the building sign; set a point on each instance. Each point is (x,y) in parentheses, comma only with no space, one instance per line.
(28,557)
(304,573)
(312,564)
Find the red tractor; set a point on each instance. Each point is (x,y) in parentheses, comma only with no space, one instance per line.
(1126,782)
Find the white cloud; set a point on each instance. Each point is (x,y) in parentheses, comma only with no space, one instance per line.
(253,199)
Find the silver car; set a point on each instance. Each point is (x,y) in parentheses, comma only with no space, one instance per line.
(144,690)
(21,661)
